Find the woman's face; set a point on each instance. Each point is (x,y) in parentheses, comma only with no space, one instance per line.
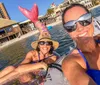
(45,46)
(82,33)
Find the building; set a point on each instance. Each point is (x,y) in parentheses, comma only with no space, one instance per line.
(3,12)
(7,30)
(16,29)
(87,3)
(26,26)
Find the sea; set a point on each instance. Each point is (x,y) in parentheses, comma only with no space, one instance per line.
(15,53)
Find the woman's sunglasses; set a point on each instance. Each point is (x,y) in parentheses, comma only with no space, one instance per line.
(84,20)
(45,42)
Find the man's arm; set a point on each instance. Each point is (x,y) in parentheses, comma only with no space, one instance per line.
(75,74)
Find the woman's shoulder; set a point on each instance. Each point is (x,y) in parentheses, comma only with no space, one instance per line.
(32,52)
(74,58)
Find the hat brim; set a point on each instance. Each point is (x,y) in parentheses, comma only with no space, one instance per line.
(55,43)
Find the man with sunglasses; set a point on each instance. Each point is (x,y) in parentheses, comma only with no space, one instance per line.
(82,66)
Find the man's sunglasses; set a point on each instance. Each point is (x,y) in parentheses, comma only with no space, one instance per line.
(84,20)
(45,42)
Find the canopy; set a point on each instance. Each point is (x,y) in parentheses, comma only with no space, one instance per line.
(6,22)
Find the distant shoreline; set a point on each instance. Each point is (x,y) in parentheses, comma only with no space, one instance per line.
(5,44)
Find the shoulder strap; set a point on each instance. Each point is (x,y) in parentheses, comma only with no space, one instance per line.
(44,58)
(48,57)
(97,41)
(39,57)
(87,65)
(36,60)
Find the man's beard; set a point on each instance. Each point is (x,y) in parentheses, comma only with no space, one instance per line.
(88,46)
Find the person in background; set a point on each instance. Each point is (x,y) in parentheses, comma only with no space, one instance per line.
(40,57)
(82,66)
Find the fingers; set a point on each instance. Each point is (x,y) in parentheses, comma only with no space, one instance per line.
(44,65)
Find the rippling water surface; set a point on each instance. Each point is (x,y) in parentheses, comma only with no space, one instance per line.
(16,52)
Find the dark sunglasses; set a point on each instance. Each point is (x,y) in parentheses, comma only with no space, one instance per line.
(84,20)
(45,42)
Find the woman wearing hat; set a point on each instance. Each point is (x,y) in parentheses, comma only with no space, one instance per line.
(39,58)
(35,59)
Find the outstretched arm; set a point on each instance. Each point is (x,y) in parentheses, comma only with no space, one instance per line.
(33,16)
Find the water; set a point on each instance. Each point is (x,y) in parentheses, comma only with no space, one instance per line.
(96,14)
(96,11)
(16,52)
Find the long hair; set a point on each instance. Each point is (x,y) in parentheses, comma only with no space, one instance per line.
(71,6)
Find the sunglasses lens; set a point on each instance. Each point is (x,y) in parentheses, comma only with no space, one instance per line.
(41,43)
(86,22)
(47,43)
(70,28)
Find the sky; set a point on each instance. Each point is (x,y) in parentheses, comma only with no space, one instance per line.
(15,14)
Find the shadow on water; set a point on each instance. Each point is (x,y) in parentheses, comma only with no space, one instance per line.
(15,53)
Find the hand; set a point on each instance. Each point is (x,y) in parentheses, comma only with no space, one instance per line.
(44,65)
(30,14)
